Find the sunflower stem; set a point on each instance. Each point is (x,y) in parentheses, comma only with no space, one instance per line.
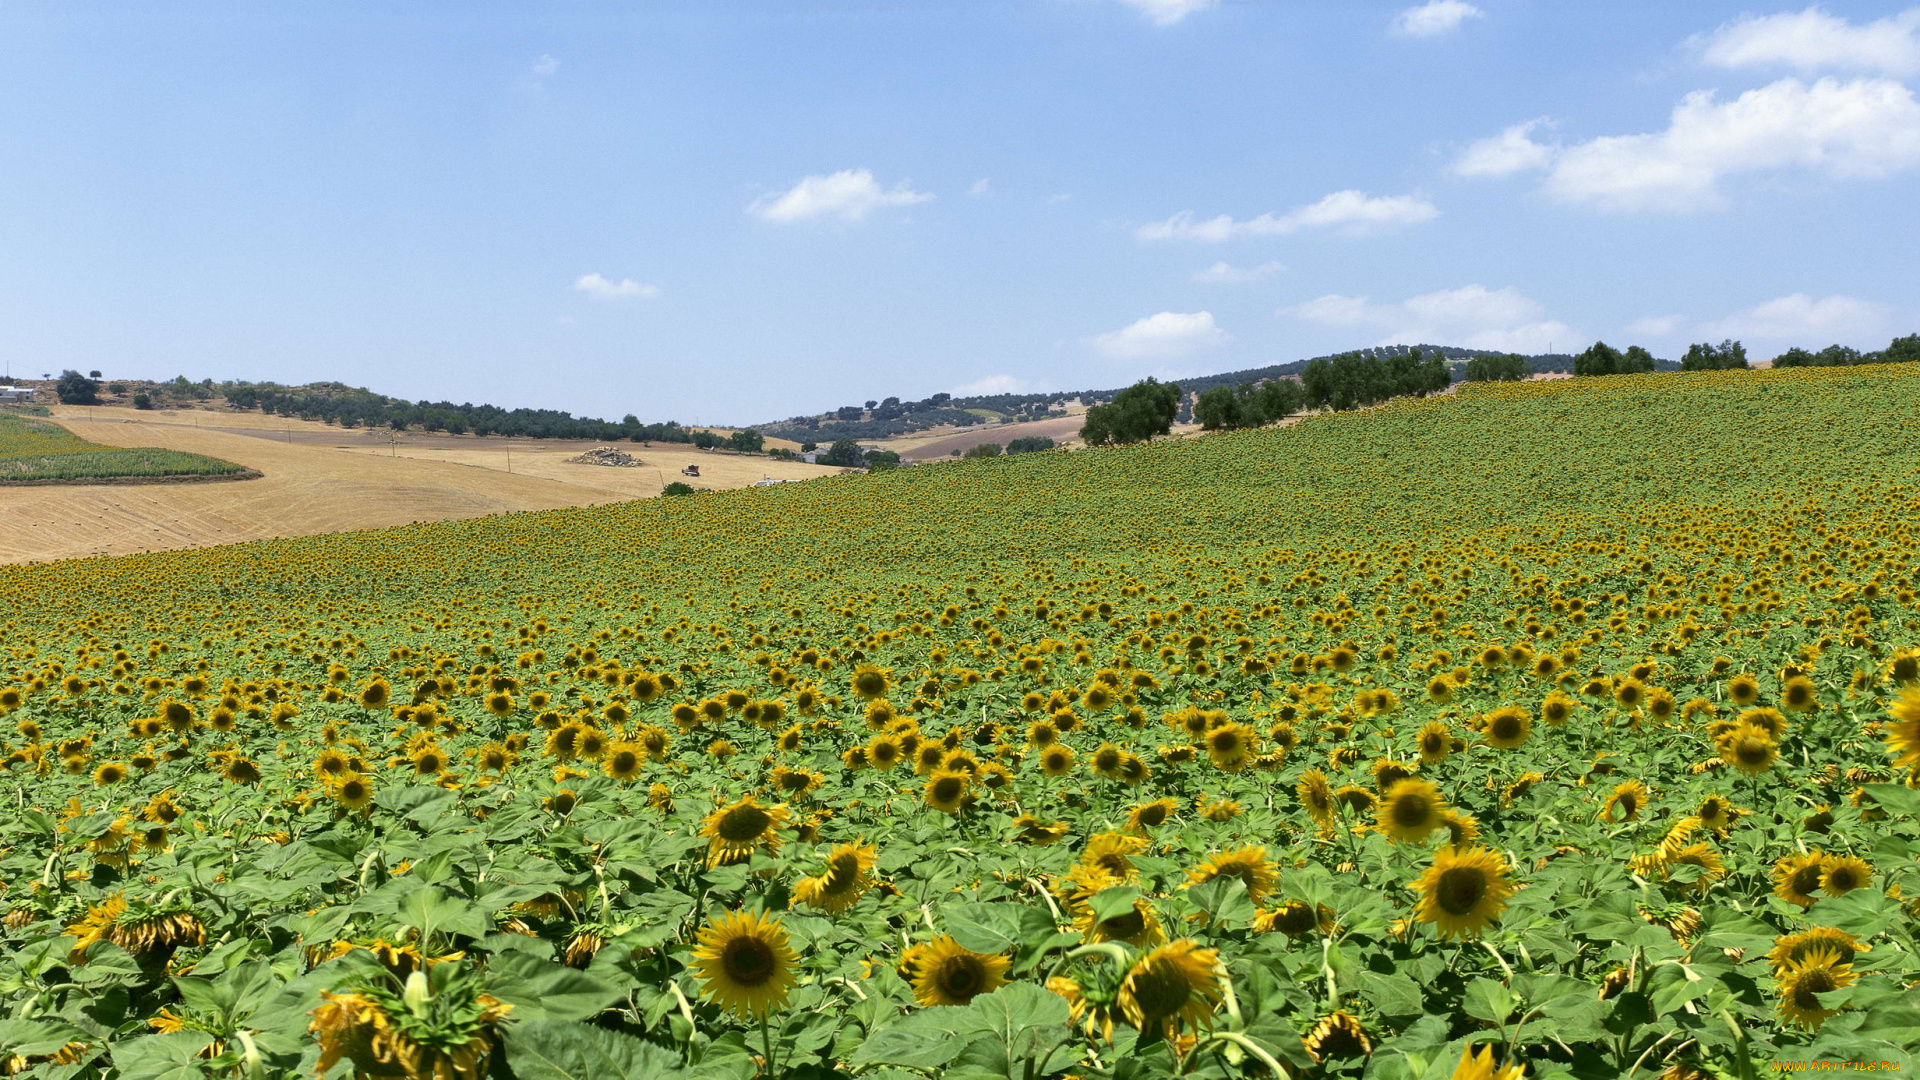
(766,1043)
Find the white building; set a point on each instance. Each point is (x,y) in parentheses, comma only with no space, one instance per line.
(13,395)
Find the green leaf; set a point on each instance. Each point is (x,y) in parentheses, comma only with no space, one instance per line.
(542,990)
(1489,1001)
(1895,798)
(161,1057)
(564,1050)
(983,927)
(1025,1020)
(1224,899)
(1108,903)
(926,1039)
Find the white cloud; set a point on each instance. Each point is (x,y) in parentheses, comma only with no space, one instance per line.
(1168,12)
(848,194)
(1165,336)
(1473,317)
(546,65)
(1352,211)
(993,384)
(1859,128)
(625,289)
(1225,273)
(981,187)
(1511,151)
(1813,39)
(1434,18)
(1655,326)
(1801,320)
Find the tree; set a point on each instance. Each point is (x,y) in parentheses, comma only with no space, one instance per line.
(1599,359)
(1271,401)
(1139,412)
(747,441)
(94,374)
(808,448)
(705,440)
(142,401)
(1218,407)
(1636,359)
(1705,356)
(882,459)
(844,453)
(1029,444)
(983,450)
(1500,367)
(117,389)
(677,488)
(76,389)
(1904,350)
(872,404)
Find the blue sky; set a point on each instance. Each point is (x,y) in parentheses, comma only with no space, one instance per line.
(720,211)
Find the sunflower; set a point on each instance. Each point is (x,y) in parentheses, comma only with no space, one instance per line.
(1712,868)
(1743,690)
(1387,772)
(1151,815)
(1229,746)
(745,964)
(1841,874)
(1771,721)
(1356,800)
(623,761)
(1717,814)
(1508,727)
(1796,877)
(735,830)
(1056,760)
(1337,1036)
(1136,926)
(1821,971)
(1798,695)
(1480,1065)
(1628,798)
(1031,830)
(1435,741)
(1112,853)
(1556,709)
(1295,918)
(849,874)
(1795,947)
(1462,892)
(110,773)
(1249,865)
(1317,796)
(427,760)
(868,682)
(1106,761)
(1462,830)
(884,752)
(351,791)
(1411,810)
(1903,732)
(946,790)
(1748,749)
(1175,985)
(945,973)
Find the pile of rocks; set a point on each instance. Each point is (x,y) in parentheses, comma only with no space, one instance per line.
(606,455)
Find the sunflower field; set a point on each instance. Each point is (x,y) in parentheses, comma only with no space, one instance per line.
(39,452)
(1558,729)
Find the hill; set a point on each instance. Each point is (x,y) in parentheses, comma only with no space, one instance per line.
(1570,709)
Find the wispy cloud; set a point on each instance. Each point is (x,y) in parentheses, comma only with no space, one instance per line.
(1166,336)
(1350,211)
(1225,273)
(1800,319)
(849,195)
(1813,40)
(1472,316)
(1433,18)
(1168,12)
(545,66)
(601,288)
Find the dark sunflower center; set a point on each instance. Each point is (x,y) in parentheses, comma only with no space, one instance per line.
(743,823)
(1506,727)
(1460,890)
(1161,990)
(1107,759)
(353,789)
(961,976)
(1806,879)
(1841,879)
(1752,751)
(1128,924)
(1295,918)
(1153,815)
(1808,988)
(948,788)
(842,872)
(1411,810)
(625,761)
(747,960)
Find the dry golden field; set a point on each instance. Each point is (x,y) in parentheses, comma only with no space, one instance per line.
(321,479)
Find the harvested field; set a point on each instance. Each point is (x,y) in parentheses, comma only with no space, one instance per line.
(310,485)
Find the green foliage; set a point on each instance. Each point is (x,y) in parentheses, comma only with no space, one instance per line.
(76,389)
(881,459)
(1029,444)
(1136,414)
(678,487)
(38,451)
(1501,367)
(142,401)
(1706,356)
(747,441)
(845,453)
(1603,359)
(1353,380)
(982,450)
(706,440)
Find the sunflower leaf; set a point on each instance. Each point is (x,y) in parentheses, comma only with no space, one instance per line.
(560,1050)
